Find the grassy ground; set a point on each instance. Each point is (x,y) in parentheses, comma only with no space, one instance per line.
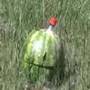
(19,17)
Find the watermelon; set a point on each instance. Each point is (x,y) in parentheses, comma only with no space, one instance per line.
(40,54)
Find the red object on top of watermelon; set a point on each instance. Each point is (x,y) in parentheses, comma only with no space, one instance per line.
(53,21)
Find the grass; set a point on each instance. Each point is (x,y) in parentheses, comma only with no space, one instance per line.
(19,17)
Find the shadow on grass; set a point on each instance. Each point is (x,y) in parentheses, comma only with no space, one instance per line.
(58,75)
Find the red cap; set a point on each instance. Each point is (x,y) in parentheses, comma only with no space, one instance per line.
(53,21)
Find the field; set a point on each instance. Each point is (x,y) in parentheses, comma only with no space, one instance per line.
(17,20)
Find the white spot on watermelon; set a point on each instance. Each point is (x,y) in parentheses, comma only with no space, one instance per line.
(37,46)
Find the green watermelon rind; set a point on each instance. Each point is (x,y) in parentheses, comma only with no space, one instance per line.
(50,44)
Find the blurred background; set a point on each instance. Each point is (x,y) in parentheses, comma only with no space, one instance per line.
(19,17)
